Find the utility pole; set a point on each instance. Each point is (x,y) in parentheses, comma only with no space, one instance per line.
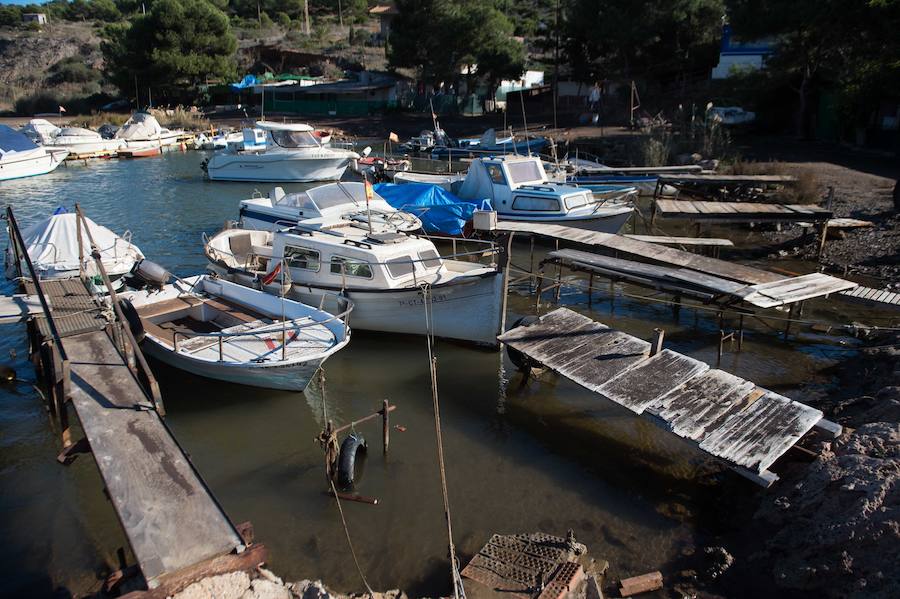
(340,14)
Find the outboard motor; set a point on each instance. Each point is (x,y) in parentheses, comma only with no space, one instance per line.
(151,273)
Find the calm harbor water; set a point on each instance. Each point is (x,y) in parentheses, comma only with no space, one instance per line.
(541,455)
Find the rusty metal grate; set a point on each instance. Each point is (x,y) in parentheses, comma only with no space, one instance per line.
(73,306)
(513,564)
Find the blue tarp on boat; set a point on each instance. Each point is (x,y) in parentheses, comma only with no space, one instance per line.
(439,210)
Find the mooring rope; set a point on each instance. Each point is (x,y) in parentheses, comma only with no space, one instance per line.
(458,590)
(332,439)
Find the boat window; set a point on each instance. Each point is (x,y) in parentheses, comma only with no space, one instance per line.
(304,258)
(294,139)
(352,268)
(576,201)
(337,194)
(525,172)
(496,174)
(399,267)
(536,203)
(430,258)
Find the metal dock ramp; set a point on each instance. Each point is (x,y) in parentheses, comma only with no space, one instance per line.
(725,416)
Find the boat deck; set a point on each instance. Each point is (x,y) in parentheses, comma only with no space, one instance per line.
(248,336)
(725,416)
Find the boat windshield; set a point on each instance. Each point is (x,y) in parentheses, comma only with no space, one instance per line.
(294,139)
(525,172)
(13,141)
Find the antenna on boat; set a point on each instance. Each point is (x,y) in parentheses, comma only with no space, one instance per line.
(524,122)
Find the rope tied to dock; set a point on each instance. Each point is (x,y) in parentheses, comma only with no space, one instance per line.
(458,590)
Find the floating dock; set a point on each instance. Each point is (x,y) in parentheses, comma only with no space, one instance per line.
(727,417)
(737,212)
(87,356)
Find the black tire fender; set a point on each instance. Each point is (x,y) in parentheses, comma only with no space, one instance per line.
(134,320)
(520,360)
(352,446)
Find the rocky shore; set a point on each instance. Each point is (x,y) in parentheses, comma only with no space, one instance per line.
(263,584)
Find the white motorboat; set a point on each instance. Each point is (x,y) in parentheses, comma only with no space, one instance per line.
(323,205)
(519,190)
(388,276)
(225,331)
(21,157)
(53,246)
(81,141)
(291,153)
(40,131)
(143,130)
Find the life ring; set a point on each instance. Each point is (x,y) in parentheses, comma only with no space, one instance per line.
(352,446)
(521,361)
(134,321)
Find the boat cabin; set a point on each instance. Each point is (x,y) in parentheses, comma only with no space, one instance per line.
(351,258)
(518,185)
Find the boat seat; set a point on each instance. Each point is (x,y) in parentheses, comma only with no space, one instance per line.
(240,244)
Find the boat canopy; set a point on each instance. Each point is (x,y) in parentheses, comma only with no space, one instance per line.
(77,132)
(485,172)
(439,210)
(141,125)
(52,245)
(14,141)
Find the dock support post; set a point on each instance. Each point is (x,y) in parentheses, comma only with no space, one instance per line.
(656,345)
(823,233)
(509,242)
(385,426)
(787,327)
(531,262)
(612,296)
(590,289)
(741,333)
(676,307)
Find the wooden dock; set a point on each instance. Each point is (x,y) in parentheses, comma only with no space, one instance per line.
(738,212)
(725,416)
(87,357)
(721,186)
(878,296)
(702,286)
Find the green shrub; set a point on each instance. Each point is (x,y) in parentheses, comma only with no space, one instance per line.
(72,70)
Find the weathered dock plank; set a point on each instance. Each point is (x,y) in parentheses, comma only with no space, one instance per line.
(169,516)
(738,212)
(867,294)
(684,241)
(723,415)
(643,250)
(702,285)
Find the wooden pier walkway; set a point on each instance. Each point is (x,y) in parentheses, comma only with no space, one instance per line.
(869,295)
(725,416)
(738,212)
(87,357)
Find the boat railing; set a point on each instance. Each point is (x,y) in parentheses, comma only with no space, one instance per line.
(284,327)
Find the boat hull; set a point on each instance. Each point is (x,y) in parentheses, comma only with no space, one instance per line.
(286,377)
(77,148)
(610,223)
(277,168)
(29,166)
(465,309)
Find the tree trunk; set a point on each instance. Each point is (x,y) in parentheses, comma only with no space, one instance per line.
(802,108)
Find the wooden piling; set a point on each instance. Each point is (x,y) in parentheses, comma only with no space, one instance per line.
(385,426)
(656,344)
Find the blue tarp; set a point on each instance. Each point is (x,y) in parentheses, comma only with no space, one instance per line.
(247,81)
(439,210)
